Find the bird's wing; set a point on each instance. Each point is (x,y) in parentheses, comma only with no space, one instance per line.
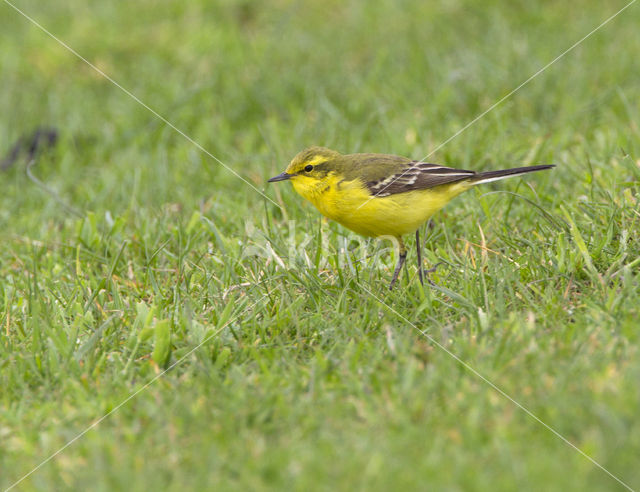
(415,175)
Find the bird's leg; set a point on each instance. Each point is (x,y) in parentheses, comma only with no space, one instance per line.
(402,255)
(419,251)
(421,272)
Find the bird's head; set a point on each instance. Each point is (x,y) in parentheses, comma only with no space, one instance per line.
(310,165)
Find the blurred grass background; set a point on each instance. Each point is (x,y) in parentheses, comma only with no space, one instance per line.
(135,247)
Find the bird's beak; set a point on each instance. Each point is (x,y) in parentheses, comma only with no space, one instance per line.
(280,177)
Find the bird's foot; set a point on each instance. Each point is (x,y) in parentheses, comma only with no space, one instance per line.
(431,270)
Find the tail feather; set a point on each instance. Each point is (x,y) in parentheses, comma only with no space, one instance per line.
(489,176)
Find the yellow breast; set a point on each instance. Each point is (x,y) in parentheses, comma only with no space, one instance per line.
(350,204)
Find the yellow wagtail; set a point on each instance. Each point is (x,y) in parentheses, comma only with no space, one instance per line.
(382,195)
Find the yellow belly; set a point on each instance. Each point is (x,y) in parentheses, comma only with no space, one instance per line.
(350,204)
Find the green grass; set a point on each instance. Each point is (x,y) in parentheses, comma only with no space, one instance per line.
(136,247)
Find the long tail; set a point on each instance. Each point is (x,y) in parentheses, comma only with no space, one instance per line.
(489,176)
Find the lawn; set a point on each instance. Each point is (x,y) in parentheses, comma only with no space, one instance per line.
(127,249)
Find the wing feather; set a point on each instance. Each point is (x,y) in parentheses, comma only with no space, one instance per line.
(417,176)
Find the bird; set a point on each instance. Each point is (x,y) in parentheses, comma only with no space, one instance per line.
(382,195)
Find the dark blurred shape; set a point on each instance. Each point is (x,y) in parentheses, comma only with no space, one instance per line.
(41,139)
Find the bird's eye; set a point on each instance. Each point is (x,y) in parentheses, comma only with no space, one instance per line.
(308,168)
